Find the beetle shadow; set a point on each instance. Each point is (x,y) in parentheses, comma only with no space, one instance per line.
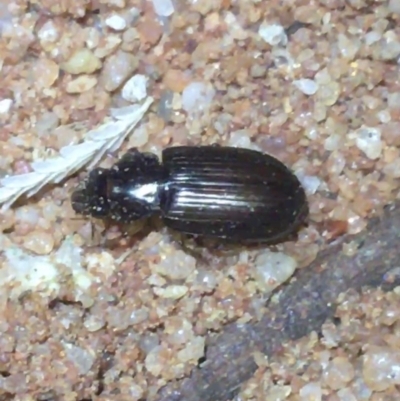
(203,248)
(207,248)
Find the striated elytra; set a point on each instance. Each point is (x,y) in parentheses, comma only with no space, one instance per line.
(213,191)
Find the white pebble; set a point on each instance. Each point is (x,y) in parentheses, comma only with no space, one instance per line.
(368,140)
(241,139)
(307,86)
(171,291)
(273,34)
(311,391)
(394,6)
(272,269)
(116,22)
(372,37)
(28,215)
(163,8)
(197,96)
(384,116)
(48,32)
(135,89)
(310,183)
(5,106)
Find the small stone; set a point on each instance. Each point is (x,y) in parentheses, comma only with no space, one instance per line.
(82,62)
(150,30)
(175,265)
(273,34)
(193,351)
(278,392)
(197,96)
(117,69)
(5,105)
(388,47)
(171,291)
(116,22)
(93,323)
(310,183)
(338,373)
(157,359)
(175,80)
(258,71)
(394,6)
(272,269)
(179,330)
(39,242)
(45,72)
(241,139)
(369,141)
(328,93)
(163,8)
(107,46)
(372,37)
(307,86)
(81,84)
(135,89)
(381,368)
(311,391)
(348,47)
(48,32)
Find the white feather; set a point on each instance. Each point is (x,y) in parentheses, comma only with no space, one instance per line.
(96,143)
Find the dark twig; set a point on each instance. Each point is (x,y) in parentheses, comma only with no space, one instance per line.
(305,304)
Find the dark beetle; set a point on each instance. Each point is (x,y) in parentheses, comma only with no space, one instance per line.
(223,192)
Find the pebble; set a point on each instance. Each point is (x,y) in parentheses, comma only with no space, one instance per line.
(271,269)
(348,47)
(117,69)
(39,242)
(175,80)
(81,84)
(241,139)
(93,323)
(193,351)
(311,183)
(163,8)
(48,32)
(179,330)
(328,93)
(135,89)
(44,73)
(116,22)
(197,96)
(307,86)
(394,6)
(175,265)
(5,105)
(381,368)
(273,34)
(338,373)
(82,61)
(107,46)
(368,140)
(156,360)
(28,215)
(311,391)
(171,291)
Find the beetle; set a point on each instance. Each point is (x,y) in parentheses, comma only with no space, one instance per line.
(230,193)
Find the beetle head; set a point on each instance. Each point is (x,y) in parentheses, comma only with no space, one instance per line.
(90,198)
